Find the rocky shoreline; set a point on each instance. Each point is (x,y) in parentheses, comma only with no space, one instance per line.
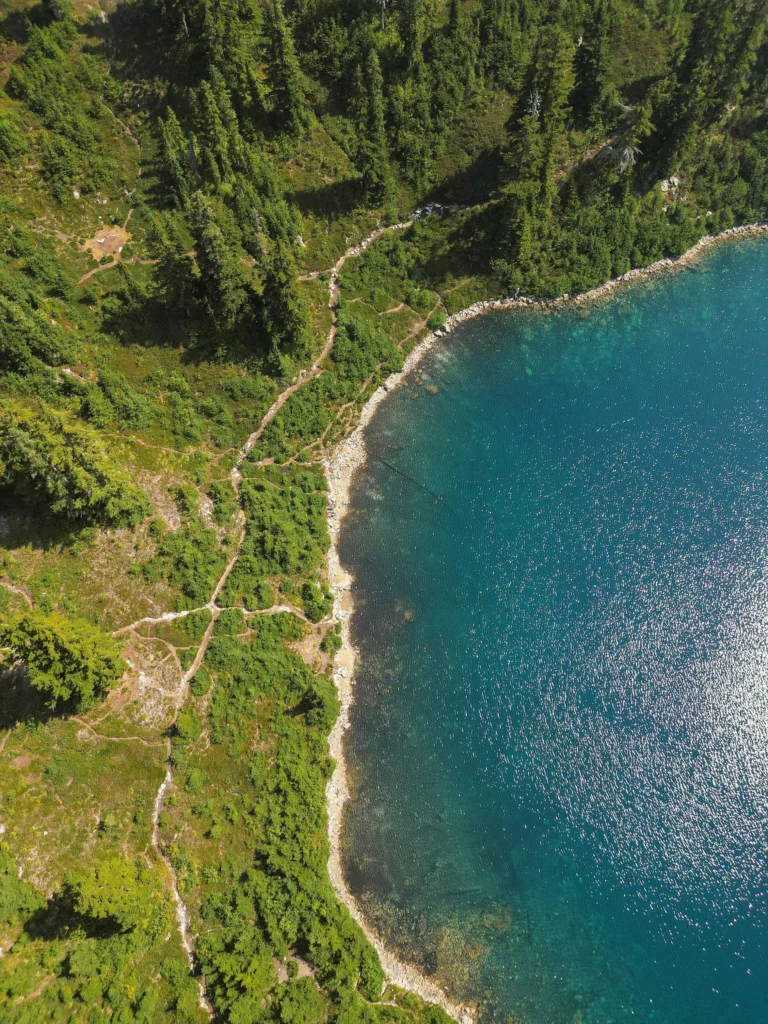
(349,456)
(521,302)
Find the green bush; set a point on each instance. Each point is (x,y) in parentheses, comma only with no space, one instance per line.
(301,1003)
(332,640)
(188,727)
(230,622)
(121,892)
(222,494)
(286,528)
(317,598)
(190,559)
(18,899)
(200,683)
(195,624)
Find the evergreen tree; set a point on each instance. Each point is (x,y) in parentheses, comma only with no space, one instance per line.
(454,14)
(502,53)
(232,38)
(712,71)
(289,105)
(533,151)
(120,892)
(550,82)
(593,92)
(56,465)
(416,19)
(175,272)
(286,318)
(213,135)
(412,115)
(175,157)
(373,154)
(626,147)
(58,10)
(69,660)
(222,274)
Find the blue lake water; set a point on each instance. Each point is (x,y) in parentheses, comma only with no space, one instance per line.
(559,745)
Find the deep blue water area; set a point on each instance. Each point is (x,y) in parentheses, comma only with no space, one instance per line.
(559,745)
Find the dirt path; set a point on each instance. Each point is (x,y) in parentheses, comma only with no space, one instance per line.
(116,739)
(182,913)
(333,296)
(15,589)
(114,263)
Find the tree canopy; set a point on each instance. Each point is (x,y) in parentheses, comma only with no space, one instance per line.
(70,661)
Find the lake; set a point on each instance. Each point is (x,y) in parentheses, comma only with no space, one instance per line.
(559,743)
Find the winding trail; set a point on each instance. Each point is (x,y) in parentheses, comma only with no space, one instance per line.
(305,376)
(115,739)
(15,589)
(113,264)
(182,913)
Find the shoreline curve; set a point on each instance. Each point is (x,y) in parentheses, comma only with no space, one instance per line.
(341,466)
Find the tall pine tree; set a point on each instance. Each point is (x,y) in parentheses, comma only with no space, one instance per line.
(373,157)
(222,274)
(285,75)
(593,93)
(286,319)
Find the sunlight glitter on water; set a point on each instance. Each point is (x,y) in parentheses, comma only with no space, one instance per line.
(561,755)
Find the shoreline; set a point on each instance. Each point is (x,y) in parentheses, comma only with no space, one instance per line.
(341,466)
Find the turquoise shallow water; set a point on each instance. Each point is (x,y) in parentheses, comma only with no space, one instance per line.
(560,740)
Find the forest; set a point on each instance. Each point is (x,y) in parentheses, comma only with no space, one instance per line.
(223,223)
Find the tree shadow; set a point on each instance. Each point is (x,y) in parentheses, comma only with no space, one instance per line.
(144,51)
(58,920)
(157,321)
(635,91)
(466,248)
(96,36)
(472,184)
(20,702)
(14,27)
(336,199)
(26,524)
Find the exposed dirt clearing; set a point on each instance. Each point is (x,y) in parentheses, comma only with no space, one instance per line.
(108,242)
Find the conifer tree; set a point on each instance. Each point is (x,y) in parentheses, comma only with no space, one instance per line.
(175,160)
(416,19)
(52,463)
(454,14)
(69,660)
(593,92)
(550,83)
(222,275)
(59,10)
(213,136)
(290,108)
(502,53)
(412,114)
(712,71)
(174,271)
(533,148)
(373,153)
(286,319)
